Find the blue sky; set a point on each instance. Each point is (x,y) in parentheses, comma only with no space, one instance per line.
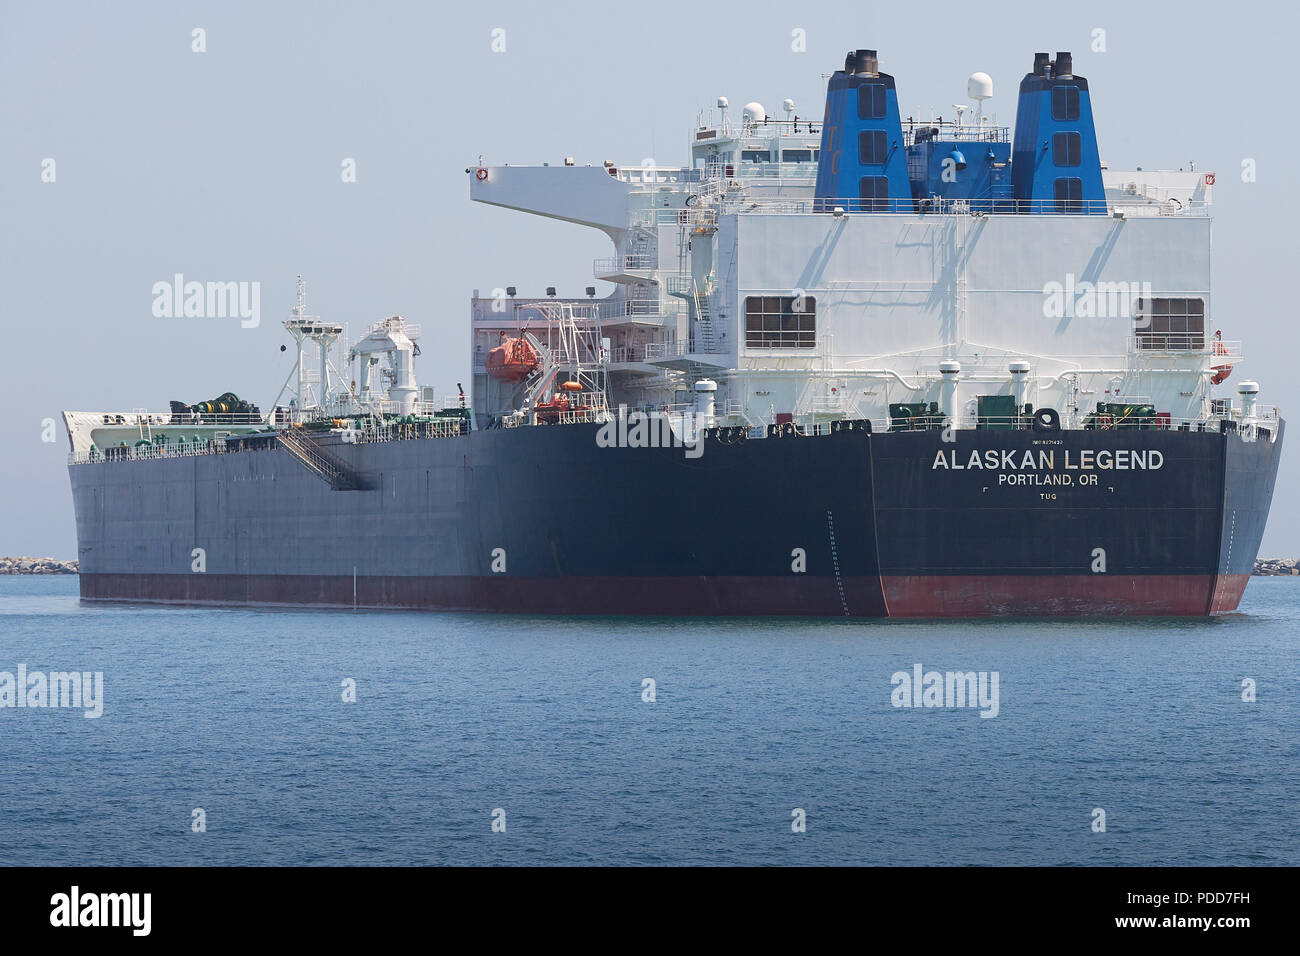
(225,165)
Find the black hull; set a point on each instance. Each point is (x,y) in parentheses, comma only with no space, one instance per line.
(543,520)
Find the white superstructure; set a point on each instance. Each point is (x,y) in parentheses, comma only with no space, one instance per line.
(722,270)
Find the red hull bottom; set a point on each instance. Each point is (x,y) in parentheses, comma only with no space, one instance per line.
(1074,595)
(914,596)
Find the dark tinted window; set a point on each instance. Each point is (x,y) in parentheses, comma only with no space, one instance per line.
(780,322)
(871,101)
(1069,194)
(871,147)
(1065,102)
(1171,324)
(874,193)
(1067,149)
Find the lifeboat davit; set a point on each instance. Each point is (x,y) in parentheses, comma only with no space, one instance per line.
(1221,372)
(511,361)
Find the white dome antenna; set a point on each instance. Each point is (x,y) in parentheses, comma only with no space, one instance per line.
(979,87)
(754,113)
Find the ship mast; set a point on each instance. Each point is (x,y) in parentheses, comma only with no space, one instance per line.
(302,326)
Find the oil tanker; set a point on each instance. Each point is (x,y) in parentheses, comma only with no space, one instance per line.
(858,364)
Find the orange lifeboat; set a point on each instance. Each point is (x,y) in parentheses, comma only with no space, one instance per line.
(511,361)
(550,411)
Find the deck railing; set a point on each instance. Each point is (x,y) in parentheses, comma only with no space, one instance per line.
(819,419)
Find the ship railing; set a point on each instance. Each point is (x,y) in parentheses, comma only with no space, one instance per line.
(583,407)
(149,451)
(163,419)
(652,174)
(606,311)
(1131,208)
(680,284)
(622,354)
(583,415)
(656,408)
(708,132)
(361,407)
(374,434)
(698,218)
(654,305)
(615,265)
(667,350)
(792,174)
(817,417)
(949,131)
(935,205)
(1146,341)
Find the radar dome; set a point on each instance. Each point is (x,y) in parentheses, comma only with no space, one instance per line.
(979,86)
(754,113)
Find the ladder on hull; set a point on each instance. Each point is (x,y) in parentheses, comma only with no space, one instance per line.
(319,462)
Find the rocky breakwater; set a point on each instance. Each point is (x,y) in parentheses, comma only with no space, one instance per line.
(37,566)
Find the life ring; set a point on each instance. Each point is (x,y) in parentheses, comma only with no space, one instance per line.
(480,174)
(1209,179)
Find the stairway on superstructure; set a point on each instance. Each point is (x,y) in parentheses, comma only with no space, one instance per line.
(703,322)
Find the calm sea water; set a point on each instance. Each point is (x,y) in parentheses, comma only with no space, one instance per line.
(240,713)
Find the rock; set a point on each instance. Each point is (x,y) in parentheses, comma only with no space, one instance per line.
(26,565)
(1277,566)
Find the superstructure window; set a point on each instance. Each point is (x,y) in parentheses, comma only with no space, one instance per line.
(1065,102)
(871,147)
(780,322)
(871,101)
(1067,149)
(796,156)
(1069,194)
(1170,325)
(874,193)
(755,156)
